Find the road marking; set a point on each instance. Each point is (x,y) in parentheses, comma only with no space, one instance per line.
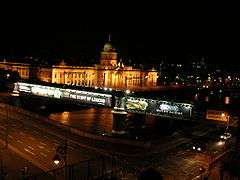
(47,150)
(2,127)
(30,147)
(41,147)
(43,143)
(20,141)
(10,136)
(56,144)
(22,133)
(29,151)
(43,154)
(36,132)
(32,138)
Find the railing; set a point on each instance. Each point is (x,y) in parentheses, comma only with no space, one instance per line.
(97,168)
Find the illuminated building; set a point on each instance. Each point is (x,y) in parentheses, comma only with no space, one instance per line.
(21,68)
(111,72)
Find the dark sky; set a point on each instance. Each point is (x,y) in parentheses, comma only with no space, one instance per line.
(140,31)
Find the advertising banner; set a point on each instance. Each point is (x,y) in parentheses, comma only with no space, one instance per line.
(159,108)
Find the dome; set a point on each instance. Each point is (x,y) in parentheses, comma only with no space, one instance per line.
(108,47)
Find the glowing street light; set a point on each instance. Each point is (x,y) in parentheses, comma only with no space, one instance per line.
(127,91)
(56,159)
(61,153)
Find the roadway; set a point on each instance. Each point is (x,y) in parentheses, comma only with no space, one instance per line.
(36,145)
(172,156)
(181,162)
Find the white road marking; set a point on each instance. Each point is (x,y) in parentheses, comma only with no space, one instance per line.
(2,127)
(47,150)
(36,132)
(56,144)
(30,147)
(41,147)
(29,151)
(19,141)
(32,138)
(43,154)
(43,143)
(10,136)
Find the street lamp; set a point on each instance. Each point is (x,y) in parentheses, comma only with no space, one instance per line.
(56,159)
(61,153)
(201,171)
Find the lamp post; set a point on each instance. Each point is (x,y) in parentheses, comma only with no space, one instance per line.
(7,130)
(201,171)
(61,154)
(228,121)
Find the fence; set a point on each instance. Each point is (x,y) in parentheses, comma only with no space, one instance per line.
(97,168)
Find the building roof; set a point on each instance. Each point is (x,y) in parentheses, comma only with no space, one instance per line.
(108,47)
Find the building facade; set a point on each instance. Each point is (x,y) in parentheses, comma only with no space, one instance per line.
(110,72)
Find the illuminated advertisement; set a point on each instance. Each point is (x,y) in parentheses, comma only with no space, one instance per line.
(48,91)
(217,115)
(169,108)
(135,104)
(159,108)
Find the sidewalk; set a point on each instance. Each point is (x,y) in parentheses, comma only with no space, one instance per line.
(12,165)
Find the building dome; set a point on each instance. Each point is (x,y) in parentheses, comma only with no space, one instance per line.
(108,47)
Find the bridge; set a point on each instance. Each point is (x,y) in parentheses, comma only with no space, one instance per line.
(122,102)
(65,93)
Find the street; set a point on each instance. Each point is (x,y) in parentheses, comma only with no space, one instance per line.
(171,155)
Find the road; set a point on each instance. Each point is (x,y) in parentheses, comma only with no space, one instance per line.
(38,146)
(181,162)
(172,155)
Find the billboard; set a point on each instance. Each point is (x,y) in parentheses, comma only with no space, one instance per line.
(217,115)
(137,105)
(159,108)
(62,93)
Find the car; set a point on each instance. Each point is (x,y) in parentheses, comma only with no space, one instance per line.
(225,136)
(199,145)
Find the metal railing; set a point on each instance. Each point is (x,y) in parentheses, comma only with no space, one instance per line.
(97,168)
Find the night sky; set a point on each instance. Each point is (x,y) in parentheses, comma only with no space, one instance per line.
(142,32)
